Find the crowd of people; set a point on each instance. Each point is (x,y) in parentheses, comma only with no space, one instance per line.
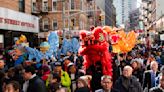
(140,70)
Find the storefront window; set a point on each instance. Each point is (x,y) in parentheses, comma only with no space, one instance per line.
(1,41)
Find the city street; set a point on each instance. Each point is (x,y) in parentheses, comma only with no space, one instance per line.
(81,46)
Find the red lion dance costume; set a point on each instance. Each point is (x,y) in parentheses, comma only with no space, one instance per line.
(94,48)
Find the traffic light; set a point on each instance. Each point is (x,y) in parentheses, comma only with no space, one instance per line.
(72,22)
(100,18)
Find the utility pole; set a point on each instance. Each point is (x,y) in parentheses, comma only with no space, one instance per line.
(63,16)
(95,13)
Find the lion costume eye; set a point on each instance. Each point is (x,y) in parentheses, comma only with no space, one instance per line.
(86,39)
(101,37)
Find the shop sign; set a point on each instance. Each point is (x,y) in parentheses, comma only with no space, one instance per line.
(16,21)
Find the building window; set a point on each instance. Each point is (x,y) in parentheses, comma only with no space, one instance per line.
(81,5)
(55,25)
(72,4)
(72,23)
(54,5)
(22,5)
(34,6)
(45,24)
(45,6)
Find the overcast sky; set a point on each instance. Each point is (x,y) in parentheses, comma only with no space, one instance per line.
(138,3)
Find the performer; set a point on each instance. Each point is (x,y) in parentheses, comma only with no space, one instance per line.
(97,59)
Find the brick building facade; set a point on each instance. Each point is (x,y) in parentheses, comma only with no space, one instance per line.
(17,5)
(64,14)
(17,12)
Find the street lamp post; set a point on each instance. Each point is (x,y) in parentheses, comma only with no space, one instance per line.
(63,17)
(63,13)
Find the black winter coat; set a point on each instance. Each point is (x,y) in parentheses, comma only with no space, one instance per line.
(138,74)
(132,86)
(155,89)
(36,85)
(147,79)
(83,89)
